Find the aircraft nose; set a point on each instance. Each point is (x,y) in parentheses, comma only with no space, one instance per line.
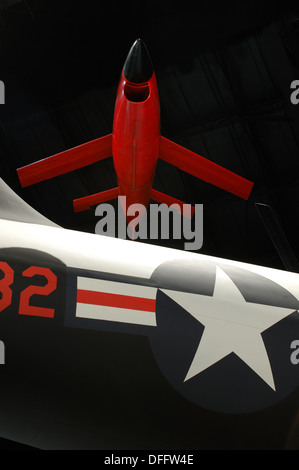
(138,66)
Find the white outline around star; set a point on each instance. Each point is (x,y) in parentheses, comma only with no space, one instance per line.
(232,325)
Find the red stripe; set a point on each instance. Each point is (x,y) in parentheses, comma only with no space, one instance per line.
(115,300)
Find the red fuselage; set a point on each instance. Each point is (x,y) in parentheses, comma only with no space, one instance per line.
(136,138)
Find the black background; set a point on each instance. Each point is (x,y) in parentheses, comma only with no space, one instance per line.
(224,71)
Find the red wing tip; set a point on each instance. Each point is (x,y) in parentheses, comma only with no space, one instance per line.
(22,178)
(248,192)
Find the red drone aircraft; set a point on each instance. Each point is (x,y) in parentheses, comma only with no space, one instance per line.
(135,144)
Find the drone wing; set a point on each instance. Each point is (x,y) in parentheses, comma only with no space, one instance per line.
(68,160)
(204,169)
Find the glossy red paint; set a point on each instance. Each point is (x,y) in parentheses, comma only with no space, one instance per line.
(136,138)
(136,145)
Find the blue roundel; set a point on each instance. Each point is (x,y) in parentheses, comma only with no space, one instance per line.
(224,335)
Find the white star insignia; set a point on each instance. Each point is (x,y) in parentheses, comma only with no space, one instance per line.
(232,325)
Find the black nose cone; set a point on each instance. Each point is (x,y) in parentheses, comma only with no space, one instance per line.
(138,67)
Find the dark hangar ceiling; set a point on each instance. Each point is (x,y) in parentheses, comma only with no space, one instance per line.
(224,71)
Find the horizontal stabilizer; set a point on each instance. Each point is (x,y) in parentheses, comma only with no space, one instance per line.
(85,203)
(66,161)
(204,169)
(168,200)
